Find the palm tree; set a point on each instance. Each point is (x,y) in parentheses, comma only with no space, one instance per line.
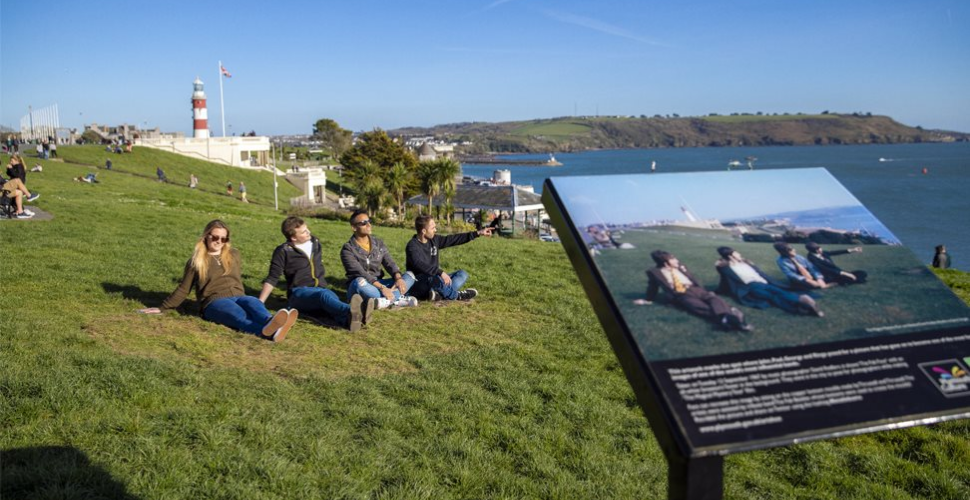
(430,181)
(370,187)
(397,180)
(448,170)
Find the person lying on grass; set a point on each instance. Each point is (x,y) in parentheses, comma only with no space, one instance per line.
(299,261)
(822,260)
(421,254)
(802,274)
(686,292)
(215,270)
(751,287)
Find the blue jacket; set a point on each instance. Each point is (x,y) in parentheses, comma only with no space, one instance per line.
(788,267)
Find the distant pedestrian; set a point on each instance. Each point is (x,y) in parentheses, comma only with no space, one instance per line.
(942,259)
(242,192)
(193,181)
(229,188)
(160,174)
(54,149)
(653,166)
(107,164)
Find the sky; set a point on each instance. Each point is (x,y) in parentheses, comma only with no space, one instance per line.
(624,199)
(392,64)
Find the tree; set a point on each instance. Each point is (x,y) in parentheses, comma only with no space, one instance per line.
(397,179)
(448,170)
(377,147)
(429,180)
(369,184)
(331,136)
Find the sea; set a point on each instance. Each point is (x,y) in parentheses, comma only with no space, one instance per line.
(921,192)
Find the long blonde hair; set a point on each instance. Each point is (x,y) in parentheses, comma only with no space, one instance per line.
(200,257)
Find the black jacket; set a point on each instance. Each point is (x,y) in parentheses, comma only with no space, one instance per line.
(17,171)
(826,265)
(294,265)
(422,258)
(360,264)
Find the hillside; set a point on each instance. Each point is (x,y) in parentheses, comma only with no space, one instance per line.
(514,395)
(576,134)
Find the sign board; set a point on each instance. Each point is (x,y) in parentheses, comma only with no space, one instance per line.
(888,349)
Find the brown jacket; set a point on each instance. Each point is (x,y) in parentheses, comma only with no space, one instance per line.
(217,285)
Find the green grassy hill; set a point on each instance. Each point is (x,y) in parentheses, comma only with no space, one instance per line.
(617,132)
(516,395)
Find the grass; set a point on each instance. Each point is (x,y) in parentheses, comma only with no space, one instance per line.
(767,118)
(555,129)
(516,395)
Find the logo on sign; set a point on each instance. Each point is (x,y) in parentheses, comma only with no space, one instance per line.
(949,376)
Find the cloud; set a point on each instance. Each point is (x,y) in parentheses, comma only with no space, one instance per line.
(602,27)
(494,4)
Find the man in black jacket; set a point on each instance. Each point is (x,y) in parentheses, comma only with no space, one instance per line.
(365,258)
(822,260)
(431,281)
(298,260)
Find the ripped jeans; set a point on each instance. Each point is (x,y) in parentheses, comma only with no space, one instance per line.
(369,291)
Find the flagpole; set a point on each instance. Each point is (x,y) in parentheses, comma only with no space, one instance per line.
(222,104)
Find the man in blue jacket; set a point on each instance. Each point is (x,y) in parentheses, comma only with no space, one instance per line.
(802,274)
(431,281)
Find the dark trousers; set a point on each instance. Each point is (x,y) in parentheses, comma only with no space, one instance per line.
(778,297)
(701,302)
(860,277)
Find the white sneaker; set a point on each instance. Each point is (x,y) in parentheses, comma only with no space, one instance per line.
(383,303)
(28,212)
(406,302)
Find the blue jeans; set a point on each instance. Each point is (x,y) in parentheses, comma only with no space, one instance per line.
(426,282)
(782,299)
(243,313)
(313,298)
(369,291)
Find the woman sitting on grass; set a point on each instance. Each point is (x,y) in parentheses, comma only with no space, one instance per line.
(215,270)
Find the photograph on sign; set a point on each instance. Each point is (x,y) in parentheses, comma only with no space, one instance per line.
(767,259)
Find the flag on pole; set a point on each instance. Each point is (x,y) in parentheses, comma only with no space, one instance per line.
(225,72)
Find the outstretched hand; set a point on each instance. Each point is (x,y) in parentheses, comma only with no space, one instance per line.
(150,310)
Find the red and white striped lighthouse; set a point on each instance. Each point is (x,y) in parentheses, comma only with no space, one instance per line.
(200,118)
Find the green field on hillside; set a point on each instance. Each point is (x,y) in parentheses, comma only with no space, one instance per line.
(554,129)
(514,395)
(767,118)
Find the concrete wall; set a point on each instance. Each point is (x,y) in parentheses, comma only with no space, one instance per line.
(232,151)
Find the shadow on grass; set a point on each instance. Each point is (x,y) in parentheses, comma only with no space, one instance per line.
(132,292)
(55,472)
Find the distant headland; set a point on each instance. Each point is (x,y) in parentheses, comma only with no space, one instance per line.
(569,134)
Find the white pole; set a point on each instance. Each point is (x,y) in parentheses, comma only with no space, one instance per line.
(276,186)
(222,105)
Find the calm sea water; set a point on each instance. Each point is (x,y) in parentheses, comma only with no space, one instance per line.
(922,210)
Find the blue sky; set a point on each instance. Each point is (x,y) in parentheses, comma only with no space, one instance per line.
(397,63)
(623,199)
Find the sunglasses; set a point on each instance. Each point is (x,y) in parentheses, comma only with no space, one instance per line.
(213,238)
(365,222)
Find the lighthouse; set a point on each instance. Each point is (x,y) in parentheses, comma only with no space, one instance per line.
(200,119)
